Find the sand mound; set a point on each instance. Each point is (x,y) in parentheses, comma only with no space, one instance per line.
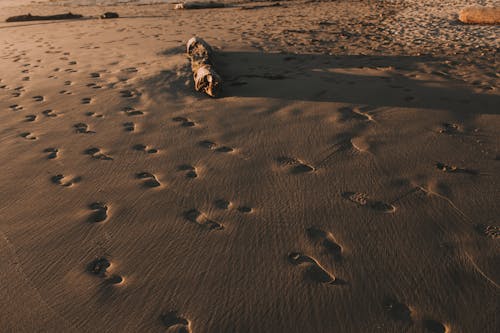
(480,15)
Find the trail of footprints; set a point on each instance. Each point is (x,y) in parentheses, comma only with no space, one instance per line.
(325,241)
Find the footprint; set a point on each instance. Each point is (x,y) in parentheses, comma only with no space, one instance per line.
(130,111)
(86,100)
(93,114)
(38,98)
(191,170)
(28,136)
(129,126)
(30,117)
(97,154)
(314,271)
(327,241)
(184,121)
(82,128)
(296,166)
(52,152)
(130,70)
(58,179)
(361,199)
(145,148)
(244,209)
(491,231)
(208,144)
(213,146)
(201,219)
(150,179)
(454,169)
(49,113)
(100,212)
(397,311)
(434,326)
(172,320)
(222,204)
(99,266)
(15,107)
(95,75)
(129,93)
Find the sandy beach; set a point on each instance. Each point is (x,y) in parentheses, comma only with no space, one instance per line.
(346,180)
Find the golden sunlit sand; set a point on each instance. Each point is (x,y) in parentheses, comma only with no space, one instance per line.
(346,179)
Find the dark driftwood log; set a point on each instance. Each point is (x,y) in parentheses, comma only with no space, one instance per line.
(29,17)
(205,77)
(199,5)
(110,15)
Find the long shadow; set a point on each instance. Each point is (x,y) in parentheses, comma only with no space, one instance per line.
(370,80)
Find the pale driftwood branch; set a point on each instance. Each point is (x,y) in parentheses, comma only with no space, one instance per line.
(205,77)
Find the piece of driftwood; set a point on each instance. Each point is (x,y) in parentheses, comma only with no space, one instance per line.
(110,15)
(205,77)
(480,15)
(199,5)
(29,17)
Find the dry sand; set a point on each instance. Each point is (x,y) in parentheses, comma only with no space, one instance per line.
(347,181)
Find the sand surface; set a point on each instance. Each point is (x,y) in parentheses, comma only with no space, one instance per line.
(346,181)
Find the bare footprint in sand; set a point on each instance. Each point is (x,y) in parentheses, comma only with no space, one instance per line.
(185,122)
(454,169)
(86,100)
(314,271)
(96,154)
(149,179)
(28,136)
(93,114)
(59,180)
(362,200)
(82,128)
(100,212)
(49,113)
(129,126)
(144,148)
(295,166)
(52,152)
(30,117)
(201,219)
(100,268)
(174,322)
(38,98)
(214,146)
(433,326)
(327,241)
(130,111)
(190,170)
(397,311)
(490,231)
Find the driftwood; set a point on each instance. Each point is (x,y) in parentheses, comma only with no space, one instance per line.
(205,77)
(480,15)
(198,5)
(29,17)
(110,15)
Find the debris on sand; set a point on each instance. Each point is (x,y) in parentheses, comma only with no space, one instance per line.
(110,15)
(199,5)
(29,17)
(480,15)
(206,78)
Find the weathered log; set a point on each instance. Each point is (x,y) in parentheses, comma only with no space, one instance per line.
(205,77)
(29,17)
(199,5)
(480,15)
(110,15)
